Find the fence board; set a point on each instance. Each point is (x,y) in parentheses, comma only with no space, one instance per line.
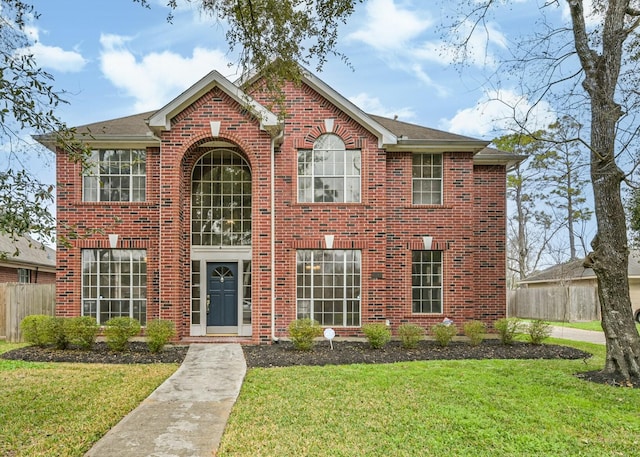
(18,301)
(555,303)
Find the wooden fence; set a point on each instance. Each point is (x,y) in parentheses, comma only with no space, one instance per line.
(555,303)
(20,300)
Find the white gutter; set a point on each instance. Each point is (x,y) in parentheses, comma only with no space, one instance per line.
(279,136)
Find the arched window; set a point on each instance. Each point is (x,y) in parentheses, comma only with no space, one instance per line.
(221,200)
(329,172)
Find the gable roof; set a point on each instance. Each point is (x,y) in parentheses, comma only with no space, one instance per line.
(393,135)
(31,253)
(161,119)
(574,270)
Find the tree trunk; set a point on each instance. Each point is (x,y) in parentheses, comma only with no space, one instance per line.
(610,255)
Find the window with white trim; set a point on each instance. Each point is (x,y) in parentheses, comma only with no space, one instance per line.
(329,172)
(115,175)
(24,275)
(328,286)
(427,179)
(114,284)
(426,280)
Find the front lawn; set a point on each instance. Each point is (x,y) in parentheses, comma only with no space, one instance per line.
(62,409)
(435,408)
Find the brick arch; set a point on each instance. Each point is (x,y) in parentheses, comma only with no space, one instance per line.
(202,137)
(339,129)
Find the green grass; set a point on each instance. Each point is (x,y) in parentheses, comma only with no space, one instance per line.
(435,408)
(587,325)
(62,409)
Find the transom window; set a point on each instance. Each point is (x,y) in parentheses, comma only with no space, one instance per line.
(328,286)
(221,200)
(329,172)
(115,175)
(114,284)
(426,280)
(427,179)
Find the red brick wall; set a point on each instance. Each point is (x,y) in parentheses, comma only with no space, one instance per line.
(469,227)
(8,274)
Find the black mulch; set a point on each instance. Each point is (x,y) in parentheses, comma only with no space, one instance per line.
(283,355)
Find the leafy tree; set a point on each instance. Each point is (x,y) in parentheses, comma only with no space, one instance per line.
(27,103)
(562,167)
(530,227)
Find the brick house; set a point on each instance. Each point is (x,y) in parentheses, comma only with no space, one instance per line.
(219,216)
(26,261)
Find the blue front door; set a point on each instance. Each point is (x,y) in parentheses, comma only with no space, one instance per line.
(222,294)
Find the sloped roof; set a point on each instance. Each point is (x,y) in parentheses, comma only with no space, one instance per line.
(574,270)
(30,253)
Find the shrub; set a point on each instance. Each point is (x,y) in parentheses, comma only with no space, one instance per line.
(36,329)
(58,332)
(159,332)
(377,334)
(444,333)
(410,335)
(119,330)
(81,331)
(507,329)
(538,330)
(302,332)
(475,330)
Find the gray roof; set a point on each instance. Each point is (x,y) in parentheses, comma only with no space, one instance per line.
(30,252)
(575,270)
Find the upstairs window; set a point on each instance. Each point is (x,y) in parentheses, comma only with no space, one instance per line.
(427,179)
(116,175)
(329,172)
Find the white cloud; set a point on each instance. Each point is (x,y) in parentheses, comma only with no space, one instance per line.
(496,114)
(388,26)
(51,57)
(157,77)
(373,105)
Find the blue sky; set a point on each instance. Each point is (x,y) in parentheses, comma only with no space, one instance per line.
(115,58)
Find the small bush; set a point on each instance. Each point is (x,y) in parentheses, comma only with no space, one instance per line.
(410,335)
(444,333)
(82,331)
(538,331)
(58,332)
(507,329)
(302,332)
(377,334)
(475,330)
(159,332)
(119,330)
(36,329)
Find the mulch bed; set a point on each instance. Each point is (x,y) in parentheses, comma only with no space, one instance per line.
(284,355)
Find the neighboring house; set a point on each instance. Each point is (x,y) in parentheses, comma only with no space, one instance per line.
(219,216)
(573,273)
(25,260)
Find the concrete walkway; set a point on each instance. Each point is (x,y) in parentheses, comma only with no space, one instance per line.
(187,414)
(575,334)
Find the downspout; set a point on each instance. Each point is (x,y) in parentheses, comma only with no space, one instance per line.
(278,137)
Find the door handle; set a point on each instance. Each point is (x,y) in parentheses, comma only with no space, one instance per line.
(208,302)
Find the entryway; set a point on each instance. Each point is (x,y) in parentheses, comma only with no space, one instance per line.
(222,297)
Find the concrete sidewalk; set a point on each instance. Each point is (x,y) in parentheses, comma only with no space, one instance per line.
(187,414)
(575,334)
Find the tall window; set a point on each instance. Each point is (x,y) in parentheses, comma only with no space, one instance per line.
(328,286)
(114,284)
(427,179)
(426,279)
(116,175)
(221,200)
(329,172)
